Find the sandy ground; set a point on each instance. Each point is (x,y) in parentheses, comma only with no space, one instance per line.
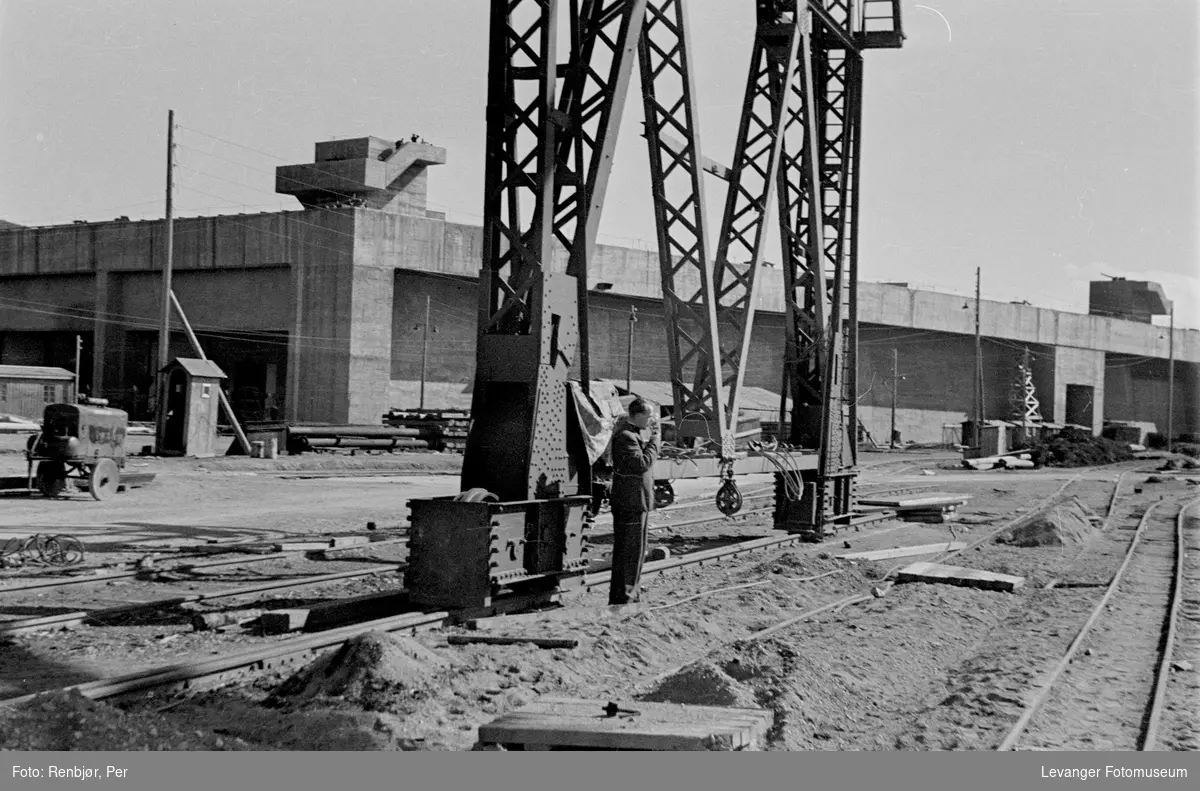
(926,667)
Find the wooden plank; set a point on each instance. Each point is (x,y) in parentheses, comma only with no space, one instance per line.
(902,552)
(348,541)
(204,621)
(540,642)
(558,722)
(340,611)
(574,613)
(916,501)
(957,575)
(300,546)
(283,621)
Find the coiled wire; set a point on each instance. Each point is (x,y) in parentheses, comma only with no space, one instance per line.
(41,550)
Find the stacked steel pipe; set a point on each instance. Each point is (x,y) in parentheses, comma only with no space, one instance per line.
(445,429)
(405,431)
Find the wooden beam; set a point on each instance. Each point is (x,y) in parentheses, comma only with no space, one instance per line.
(957,575)
(903,552)
(558,722)
(334,613)
(487,639)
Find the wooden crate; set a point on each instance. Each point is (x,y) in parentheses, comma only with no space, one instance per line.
(571,724)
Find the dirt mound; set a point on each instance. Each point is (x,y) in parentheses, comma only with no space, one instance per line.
(701,684)
(794,564)
(365,669)
(1065,524)
(69,721)
(1075,448)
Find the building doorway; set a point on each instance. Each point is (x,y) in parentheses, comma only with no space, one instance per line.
(1080,399)
(173,438)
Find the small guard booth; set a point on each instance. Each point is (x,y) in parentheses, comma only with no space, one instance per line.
(187,423)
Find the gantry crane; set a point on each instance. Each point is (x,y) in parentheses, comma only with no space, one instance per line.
(798,143)
(522,519)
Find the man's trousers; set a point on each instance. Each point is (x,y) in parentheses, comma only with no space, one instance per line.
(629,551)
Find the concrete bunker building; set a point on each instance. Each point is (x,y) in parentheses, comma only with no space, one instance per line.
(317,315)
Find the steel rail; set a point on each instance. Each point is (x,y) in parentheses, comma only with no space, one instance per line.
(1163,672)
(259,659)
(300,648)
(1031,709)
(859,598)
(289,651)
(183,567)
(65,620)
(295,649)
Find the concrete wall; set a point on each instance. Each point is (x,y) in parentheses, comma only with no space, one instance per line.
(926,310)
(348,288)
(1136,390)
(41,304)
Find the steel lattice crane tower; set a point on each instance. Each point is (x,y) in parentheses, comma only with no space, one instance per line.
(552,122)
(797,146)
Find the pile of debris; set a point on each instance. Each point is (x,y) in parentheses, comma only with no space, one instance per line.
(1068,524)
(368,669)
(1076,448)
(66,720)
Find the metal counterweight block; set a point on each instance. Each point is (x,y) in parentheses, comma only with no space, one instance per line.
(461,554)
(823,504)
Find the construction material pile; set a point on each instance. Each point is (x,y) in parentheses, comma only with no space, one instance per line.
(402,431)
(1075,448)
(368,668)
(66,720)
(1069,523)
(443,429)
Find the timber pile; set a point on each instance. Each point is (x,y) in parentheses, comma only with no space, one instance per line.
(423,431)
(927,507)
(443,429)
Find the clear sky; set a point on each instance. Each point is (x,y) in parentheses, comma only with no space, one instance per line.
(1046,141)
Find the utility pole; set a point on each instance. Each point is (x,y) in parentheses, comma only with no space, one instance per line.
(424,353)
(895,386)
(629,355)
(164,333)
(978,438)
(78,355)
(1171,380)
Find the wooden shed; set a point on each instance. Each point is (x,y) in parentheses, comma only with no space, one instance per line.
(25,390)
(188,426)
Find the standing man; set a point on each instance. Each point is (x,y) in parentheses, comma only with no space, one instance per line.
(632,500)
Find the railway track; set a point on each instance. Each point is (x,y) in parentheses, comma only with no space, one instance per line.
(133,570)
(1110,689)
(292,651)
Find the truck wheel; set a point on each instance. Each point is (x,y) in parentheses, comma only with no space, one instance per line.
(104,479)
(51,478)
(664,494)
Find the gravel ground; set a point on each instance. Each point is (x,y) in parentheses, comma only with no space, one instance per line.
(849,680)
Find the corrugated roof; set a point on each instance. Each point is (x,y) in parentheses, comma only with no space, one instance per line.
(197,367)
(34,372)
(752,399)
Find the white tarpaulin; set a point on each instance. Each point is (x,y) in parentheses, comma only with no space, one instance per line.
(598,414)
